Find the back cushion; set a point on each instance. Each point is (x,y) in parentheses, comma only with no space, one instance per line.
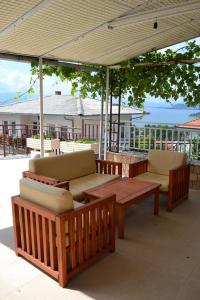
(161,161)
(65,167)
(48,196)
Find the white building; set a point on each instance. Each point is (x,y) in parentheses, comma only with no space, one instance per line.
(60,112)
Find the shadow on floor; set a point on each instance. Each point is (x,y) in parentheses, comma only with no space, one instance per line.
(6,237)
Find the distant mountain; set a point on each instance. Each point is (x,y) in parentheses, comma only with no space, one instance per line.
(158,104)
(163,104)
(184,106)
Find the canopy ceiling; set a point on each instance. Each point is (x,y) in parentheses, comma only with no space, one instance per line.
(102,32)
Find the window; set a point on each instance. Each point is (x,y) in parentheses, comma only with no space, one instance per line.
(35,128)
(5,127)
(13,127)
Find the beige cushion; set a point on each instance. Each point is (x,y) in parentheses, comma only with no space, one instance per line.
(65,167)
(53,198)
(152,177)
(161,161)
(77,186)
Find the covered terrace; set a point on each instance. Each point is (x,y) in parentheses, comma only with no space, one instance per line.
(159,259)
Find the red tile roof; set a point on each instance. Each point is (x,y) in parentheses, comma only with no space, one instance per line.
(193,124)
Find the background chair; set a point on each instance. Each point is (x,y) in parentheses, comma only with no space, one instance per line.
(168,168)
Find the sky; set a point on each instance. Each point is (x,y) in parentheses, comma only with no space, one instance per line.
(15,76)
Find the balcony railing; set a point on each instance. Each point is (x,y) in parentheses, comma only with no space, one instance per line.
(129,138)
(145,138)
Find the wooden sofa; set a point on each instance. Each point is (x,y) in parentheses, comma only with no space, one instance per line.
(56,233)
(75,171)
(168,168)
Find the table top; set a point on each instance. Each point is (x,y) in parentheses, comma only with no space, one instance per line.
(126,189)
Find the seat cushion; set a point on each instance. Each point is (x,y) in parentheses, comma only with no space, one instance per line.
(48,196)
(152,177)
(77,186)
(161,161)
(65,167)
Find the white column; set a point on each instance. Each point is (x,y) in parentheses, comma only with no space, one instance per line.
(101,126)
(106,112)
(41,108)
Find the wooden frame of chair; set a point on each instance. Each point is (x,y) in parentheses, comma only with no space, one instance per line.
(178,182)
(40,235)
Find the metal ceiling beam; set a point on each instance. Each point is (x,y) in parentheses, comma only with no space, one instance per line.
(138,42)
(46,61)
(20,20)
(159,13)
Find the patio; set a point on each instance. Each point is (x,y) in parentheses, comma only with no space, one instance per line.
(158,259)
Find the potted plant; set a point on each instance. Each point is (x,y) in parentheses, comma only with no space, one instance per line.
(50,144)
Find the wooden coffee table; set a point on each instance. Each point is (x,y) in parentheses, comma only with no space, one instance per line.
(128,191)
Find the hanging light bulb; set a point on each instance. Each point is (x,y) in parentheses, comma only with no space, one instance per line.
(155,25)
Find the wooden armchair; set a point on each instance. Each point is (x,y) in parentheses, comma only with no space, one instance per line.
(167,168)
(61,243)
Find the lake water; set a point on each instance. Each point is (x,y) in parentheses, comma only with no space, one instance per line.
(165,116)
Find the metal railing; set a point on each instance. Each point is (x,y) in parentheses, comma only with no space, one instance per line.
(131,138)
(166,138)
(13,136)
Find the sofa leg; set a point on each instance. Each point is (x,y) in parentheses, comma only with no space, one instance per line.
(62,283)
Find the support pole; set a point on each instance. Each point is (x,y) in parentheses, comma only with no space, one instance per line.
(111,115)
(119,119)
(41,108)
(101,126)
(106,112)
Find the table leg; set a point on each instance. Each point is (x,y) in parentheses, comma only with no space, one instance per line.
(156,201)
(121,214)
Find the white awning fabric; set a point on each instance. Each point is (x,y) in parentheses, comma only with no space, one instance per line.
(103,32)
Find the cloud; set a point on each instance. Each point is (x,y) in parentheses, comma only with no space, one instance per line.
(13,79)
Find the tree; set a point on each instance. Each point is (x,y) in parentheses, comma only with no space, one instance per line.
(169,75)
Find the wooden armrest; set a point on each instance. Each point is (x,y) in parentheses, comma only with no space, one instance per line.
(138,168)
(179,175)
(40,178)
(179,169)
(90,205)
(63,185)
(108,167)
(178,185)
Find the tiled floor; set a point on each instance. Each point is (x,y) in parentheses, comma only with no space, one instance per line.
(158,260)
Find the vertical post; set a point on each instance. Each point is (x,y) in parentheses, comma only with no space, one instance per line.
(110,127)
(101,125)
(26,128)
(41,108)
(119,119)
(106,112)
(73,135)
(82,128)
(4,141)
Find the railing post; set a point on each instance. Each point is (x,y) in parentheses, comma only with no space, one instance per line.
(26,128)
(4,142)
(82,129)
